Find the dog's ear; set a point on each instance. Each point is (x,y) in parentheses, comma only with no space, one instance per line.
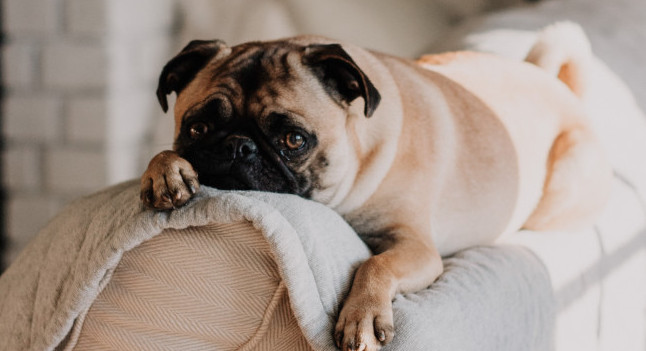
(181,70)
(341,75)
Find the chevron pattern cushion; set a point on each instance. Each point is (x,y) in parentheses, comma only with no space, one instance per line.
(214,287)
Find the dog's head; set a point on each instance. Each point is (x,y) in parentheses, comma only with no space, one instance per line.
(269,116)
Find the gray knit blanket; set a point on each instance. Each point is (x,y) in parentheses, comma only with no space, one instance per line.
(489,298)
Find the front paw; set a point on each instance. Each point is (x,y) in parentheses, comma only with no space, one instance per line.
(169,182)
(365,323)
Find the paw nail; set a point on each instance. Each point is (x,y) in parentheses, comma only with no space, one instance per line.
(381,336)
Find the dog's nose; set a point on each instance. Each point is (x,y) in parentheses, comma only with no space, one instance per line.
(240,147)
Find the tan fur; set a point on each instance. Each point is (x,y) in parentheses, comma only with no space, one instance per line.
(463,148)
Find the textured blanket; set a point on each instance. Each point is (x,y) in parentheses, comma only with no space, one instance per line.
(489,298)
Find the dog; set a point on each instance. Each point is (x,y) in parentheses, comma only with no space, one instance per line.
(423,158)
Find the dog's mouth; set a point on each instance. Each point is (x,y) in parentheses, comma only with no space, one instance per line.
(250,174)
(222,173)
(227,182)
(229,178)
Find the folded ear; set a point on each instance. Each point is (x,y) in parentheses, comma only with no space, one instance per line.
(181,70)
(341,75)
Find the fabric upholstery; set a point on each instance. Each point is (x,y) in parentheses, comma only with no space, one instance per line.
(200,288)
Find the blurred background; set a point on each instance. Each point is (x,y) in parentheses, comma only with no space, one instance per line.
(79,76)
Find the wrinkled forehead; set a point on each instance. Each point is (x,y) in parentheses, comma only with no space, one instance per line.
(252,77)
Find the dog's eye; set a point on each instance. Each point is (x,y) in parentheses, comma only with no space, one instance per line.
(198,130)
(294,140)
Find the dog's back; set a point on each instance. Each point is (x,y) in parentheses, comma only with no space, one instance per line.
(538,102)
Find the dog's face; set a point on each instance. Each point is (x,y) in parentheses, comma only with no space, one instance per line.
(270,116)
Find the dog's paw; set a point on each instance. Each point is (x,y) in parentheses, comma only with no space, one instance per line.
(365,324)
(169,182)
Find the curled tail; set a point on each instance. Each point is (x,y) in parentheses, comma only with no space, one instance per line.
(563,50)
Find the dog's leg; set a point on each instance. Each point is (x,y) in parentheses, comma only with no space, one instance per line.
(577,184)
(366,318)
(168,182)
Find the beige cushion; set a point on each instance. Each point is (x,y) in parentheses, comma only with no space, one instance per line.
(215,287)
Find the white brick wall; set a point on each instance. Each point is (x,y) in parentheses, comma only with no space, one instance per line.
(86,17)
(79,75)
(72,170)
(32,117)
(22,168)
(86,120)
(75,66)
(19,65)
(30,17)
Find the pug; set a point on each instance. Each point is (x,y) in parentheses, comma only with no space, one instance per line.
(423,158)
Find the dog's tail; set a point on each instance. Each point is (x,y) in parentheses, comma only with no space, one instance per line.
(563,50)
